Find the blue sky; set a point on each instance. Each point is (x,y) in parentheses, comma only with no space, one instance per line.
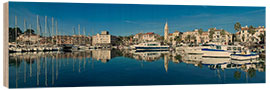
(127,19)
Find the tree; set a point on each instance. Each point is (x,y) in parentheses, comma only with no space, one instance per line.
(237,26)
(251,30)
(171,39)
(178,39)
(160,38)
(262,37)
(28,31)
(188,38)
(200,31)
(223,32)
(12,32)
(193,37)
(211,33)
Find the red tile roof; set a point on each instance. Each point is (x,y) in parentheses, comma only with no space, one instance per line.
(150,33)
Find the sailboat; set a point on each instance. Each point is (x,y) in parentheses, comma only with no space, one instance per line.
(39,48)
(83,47)
(16,49)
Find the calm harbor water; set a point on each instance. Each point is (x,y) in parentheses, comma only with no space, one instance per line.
(119,68)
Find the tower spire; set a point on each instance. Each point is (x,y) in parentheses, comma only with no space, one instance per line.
(166,31)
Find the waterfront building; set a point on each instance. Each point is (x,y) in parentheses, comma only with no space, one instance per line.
(166,32)
(204,37)
(24,38)
(146,37)
(191,36)
(221,36)
(259,31)
(103,39)
(244,36)
(173,36)
(102,55)
(81,39)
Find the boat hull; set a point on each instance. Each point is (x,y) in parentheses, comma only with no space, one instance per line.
(152,48)
(213,53)
(244,57)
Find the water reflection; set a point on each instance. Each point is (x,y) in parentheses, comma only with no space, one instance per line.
(47,68)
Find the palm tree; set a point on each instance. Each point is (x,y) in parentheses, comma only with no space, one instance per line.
(188,38)
(251,30)
(211,32)
(177,39)
(262,37)
(193,37)
(222,32)
(237,26)
(200,31)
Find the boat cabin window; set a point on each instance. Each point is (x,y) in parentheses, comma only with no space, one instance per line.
(239,48)
(229,48)
(152,45)
(218,47)
(234,48)
(152,54)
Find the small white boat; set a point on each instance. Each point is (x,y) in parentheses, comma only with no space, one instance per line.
(18,49)
(83,48)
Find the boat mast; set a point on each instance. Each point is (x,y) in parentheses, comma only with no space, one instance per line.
(56,32)
(79,34)
(30,27)
(60,37)
(45,30)
(38,31)
(73,34)
(16,30)
(84,35)
(24,26)
(52,31)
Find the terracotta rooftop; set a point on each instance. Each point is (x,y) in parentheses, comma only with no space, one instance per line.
(150,33)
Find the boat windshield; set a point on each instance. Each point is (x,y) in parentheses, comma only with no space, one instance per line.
(218,47)
(152,44)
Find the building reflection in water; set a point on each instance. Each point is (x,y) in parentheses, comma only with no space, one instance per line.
(46,63)
(102,55)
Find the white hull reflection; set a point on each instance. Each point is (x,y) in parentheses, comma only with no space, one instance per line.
(215,61)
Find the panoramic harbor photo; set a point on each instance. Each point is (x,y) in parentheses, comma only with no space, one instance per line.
(94,44)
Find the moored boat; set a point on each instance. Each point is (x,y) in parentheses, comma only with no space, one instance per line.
(215,53)
(151,46)
(244,56)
